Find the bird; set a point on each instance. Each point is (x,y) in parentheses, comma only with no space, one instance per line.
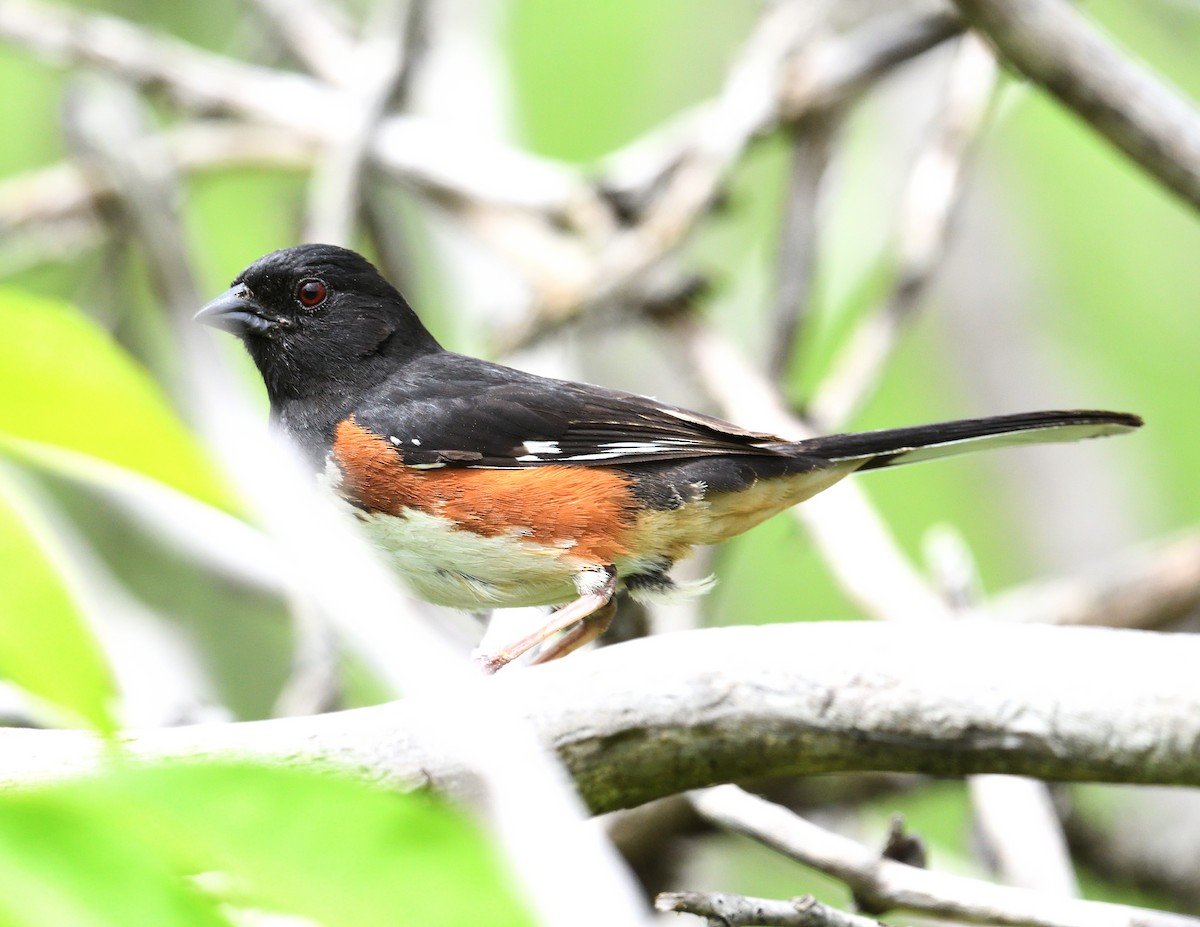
(484,486)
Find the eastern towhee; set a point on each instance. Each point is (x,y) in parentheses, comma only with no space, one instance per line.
(487,487)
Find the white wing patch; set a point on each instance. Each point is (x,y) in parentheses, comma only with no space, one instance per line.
(539,450)
(614,450)
(611,450)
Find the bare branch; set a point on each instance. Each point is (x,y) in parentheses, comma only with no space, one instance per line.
(1023,838)
(107,126)
(437,158)
(383,61)
(892,885)
(1153,586)
(317,34)
(195,78)
(725,910)
(160,679)
(64,192)
(831,74)
(726,703)
(1053,44)
(746,107)
(850,64)
(672,175)
(932,192)
(798,237)
(314,683)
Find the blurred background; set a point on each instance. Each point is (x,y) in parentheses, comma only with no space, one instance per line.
(1036,268)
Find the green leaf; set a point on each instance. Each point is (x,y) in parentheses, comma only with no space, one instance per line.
(45,645)
(65,382)
(313,844)
(66,860)
(331,848)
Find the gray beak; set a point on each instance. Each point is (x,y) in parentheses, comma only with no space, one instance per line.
(236,311)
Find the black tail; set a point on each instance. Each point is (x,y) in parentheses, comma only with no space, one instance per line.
(894,446)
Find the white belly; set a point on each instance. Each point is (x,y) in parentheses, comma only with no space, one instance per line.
(448,566)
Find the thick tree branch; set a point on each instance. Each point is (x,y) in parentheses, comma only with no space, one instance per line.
(722,704)
(1053,44)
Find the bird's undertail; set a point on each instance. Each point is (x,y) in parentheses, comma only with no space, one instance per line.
(894,446)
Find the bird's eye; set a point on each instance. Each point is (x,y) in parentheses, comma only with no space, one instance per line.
(311,292)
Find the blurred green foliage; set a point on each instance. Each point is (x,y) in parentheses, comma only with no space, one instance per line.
(68,385)
(1100,257)
(134,845)
(50,652)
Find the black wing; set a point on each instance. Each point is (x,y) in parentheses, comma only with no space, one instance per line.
(452,410)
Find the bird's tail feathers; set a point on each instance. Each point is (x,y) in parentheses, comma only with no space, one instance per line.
(894,446)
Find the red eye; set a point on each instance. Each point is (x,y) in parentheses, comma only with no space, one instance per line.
(311,292)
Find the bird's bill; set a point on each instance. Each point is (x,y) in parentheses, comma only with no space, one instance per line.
(236,311)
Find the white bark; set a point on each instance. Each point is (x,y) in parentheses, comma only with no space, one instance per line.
(657,716)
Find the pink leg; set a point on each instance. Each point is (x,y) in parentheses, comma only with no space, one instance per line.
(583,609)
(585,632)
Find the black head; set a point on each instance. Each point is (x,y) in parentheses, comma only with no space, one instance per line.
(317,317)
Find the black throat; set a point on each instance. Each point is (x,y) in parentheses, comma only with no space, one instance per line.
(307,408)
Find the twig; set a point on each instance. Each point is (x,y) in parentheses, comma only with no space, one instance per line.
(1153,586)
(727,703)
(456,168)
(811,145)
(65,192)
(384,63)
(314,682)
(830,75)
(1054,45)
(49,214)
(848,65)
(207,536)
(932,192)
(726,910)
(437,158)
(746,107)
(1023,838)
(891,885)
(318,35)
(195,78)
(106,124)
(673,175)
